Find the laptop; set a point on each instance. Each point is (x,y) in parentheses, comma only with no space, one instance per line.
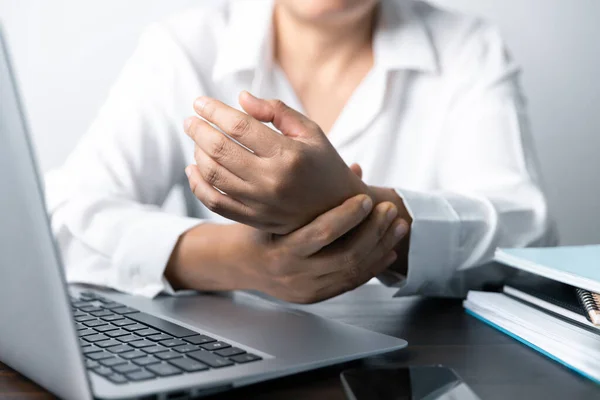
(82,343)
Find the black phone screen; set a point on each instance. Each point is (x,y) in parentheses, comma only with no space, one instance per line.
(410,383)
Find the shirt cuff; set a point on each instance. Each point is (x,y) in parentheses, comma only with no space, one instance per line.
(434,240)
(145,250)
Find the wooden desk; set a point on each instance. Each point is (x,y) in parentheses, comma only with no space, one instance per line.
(438,332)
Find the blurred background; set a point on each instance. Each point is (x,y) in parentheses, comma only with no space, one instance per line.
(67,53)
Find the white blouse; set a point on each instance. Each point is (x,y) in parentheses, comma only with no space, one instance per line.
(440,117)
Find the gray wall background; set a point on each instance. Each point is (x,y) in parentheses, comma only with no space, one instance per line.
(67,52)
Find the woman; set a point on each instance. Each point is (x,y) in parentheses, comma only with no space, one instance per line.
(427,102)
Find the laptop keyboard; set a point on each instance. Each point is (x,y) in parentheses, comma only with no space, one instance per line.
(125,345)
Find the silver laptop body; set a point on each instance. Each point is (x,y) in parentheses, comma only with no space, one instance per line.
(38,335)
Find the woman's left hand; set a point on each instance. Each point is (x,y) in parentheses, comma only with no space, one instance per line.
(283,182)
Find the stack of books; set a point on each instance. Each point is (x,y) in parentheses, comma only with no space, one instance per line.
(554,307)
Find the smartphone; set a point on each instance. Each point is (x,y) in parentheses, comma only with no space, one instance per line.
(406,383)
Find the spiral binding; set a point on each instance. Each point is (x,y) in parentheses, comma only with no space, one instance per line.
(589,301)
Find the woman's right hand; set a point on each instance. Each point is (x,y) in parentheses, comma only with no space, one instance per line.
(338,251)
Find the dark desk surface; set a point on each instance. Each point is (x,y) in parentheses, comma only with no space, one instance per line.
(438,332)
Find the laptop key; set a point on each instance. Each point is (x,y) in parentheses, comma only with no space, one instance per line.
(172,342)
(168,355)
(126,368)
(105,328)
(79,326)
(189,365)
(134,327)
(102,371)
(116,378)
(112,361)
(90,349)
(132,354)
(162,325)
(108,343)
(143,361)
(140,376)
(83,343)
(186,348)
(164,369)
(91,364)
(112,305)
(99,356)
(141,343)
(231,351)
(83,318)
(245,358)
(112,317)
(116,333)
(122,348)
(123,322)
(78,314)
(209,359)
(123,310)
(86,332)
(95,323)
(199,339)
(154,349)
(147,332)
(96,338)
(102,313)
(128,338)
(80,303)
(159,337)
(90,308)
(215,346)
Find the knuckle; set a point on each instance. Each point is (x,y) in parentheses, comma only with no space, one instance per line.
(295,160)
(240,127)
(278,187)
(323,234)
(351,258)
(211,174)
(278,105)
(354,276)
(213,202)
(218,147)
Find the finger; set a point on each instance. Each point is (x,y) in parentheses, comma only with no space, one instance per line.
(351,254)
(240,126)
(357,170)
(289,121)
(397,231)
(218,176)
(336,283)
(216,201)
(220,148)
(329,227)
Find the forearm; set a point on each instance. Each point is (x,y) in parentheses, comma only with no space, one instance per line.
(209,257)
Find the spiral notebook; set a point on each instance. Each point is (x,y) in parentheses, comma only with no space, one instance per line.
(542,309)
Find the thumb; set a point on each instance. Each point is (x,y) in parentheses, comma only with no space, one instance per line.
(289,121)
(357,170)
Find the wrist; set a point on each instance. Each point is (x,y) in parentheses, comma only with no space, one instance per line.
(204,258)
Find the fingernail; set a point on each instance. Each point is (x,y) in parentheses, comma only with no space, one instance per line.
(400,230)
(200,103)
(188,171)
(249,94)
(187,123)
(391,214)
(367,204)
